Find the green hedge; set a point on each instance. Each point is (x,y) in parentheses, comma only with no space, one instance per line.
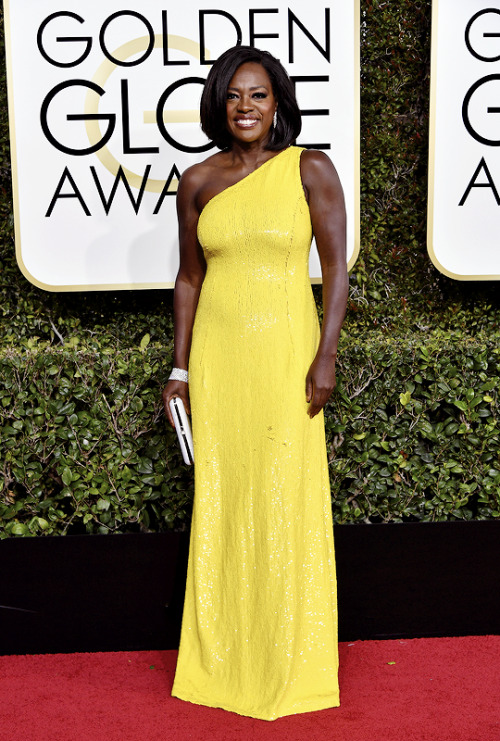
(86,446)
(412,434)
(412,429)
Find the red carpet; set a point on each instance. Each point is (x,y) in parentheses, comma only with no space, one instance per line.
(413,690)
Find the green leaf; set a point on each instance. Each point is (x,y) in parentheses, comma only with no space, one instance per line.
(144,342)
(405,398)
(19,529)
(67,476)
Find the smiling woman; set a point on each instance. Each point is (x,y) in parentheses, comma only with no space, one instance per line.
(259,631)
(251,104)
(218,94)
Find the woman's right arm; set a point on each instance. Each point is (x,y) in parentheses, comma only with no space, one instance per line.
(187,285)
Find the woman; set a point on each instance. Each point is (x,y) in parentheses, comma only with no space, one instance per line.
(259,624)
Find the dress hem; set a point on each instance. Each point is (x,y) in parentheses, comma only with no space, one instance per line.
(326,704)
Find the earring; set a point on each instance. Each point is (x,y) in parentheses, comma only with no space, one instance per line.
(275,118)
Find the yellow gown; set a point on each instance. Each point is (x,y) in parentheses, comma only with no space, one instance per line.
(259,629)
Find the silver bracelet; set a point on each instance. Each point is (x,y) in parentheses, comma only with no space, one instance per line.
(178,374)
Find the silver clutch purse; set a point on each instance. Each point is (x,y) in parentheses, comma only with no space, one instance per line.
(183,429)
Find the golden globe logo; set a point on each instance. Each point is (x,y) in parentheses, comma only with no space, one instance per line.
(464,172)
(118,96)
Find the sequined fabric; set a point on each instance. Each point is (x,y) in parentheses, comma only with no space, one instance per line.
(259,630)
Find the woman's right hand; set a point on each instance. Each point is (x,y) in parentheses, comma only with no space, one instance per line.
(175,388)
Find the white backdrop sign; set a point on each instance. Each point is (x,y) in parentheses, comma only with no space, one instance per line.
(464,161)
(103,105)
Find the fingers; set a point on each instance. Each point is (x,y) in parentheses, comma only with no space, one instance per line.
(318,400)
(166,398)
(175,388)
(309,388)
(315,406)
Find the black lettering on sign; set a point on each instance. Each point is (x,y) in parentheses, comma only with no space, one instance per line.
(201,21)
(164,27)
(120,175)
(253,35)
(174,172)
(313,111)
(486,34)
(472,184)
(66,176)
(63,39)
(161,124)
(110,118)
(323,50)
(149,29)
(491,109)
(127,147)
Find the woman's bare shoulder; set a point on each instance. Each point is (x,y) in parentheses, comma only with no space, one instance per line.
(318,171)
(313,162)
(197,175)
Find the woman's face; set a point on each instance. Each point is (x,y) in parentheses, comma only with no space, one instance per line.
(250,104)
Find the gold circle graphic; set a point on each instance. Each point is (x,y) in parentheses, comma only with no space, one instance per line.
(102,75)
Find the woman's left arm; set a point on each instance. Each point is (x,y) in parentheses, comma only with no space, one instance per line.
(326,204)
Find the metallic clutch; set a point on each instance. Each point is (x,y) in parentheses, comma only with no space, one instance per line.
(183,429)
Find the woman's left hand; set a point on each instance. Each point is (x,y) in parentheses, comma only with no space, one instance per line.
(328,218)
(320,382)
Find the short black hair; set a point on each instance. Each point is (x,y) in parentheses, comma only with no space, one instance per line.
(213,100)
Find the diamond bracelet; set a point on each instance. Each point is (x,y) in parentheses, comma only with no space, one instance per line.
(178,374)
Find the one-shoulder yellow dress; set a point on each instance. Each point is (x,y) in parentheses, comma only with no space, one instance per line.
(259,629)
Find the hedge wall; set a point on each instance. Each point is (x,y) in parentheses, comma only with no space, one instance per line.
(411,433)
(412,428)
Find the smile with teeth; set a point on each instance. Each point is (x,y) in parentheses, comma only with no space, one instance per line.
(246,123)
